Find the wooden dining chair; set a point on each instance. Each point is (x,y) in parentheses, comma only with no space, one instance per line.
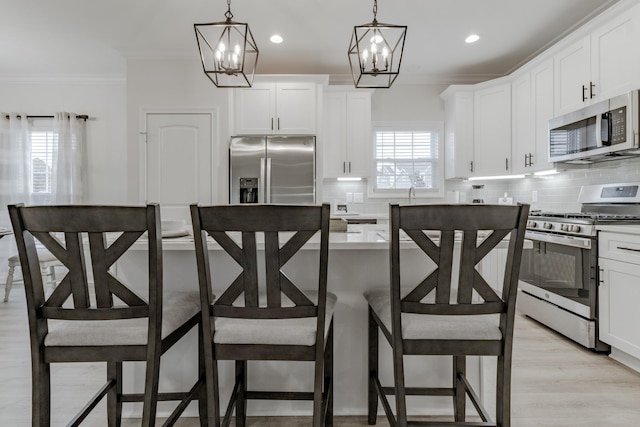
(48,264)
(103,319)
(453,311)
(265,317)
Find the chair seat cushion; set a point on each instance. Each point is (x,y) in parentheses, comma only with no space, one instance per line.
(178,307)
(273,331)
(435,327)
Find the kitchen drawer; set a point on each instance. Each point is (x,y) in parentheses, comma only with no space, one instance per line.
(620,247)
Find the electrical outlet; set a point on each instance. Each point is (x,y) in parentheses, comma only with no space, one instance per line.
(349,197)
(534,196)
(358,198)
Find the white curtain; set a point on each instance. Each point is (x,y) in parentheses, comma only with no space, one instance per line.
(69,172)
(15,162)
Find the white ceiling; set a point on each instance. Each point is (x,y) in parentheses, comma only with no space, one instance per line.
(80,37)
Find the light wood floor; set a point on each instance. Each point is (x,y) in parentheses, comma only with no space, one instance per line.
(556,383)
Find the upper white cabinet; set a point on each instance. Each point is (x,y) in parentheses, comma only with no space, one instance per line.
(347,140)
(276,108)
(532,103)
(492,130)
(599,65)
(458,131)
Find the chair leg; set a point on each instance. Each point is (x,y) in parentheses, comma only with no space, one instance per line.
(152,375)
(241,399)
(41,394)
(373,370)
(328,377)
(211,382)
(503,392)
(9,283)
(400,391)
(114,401)
(202,396)
(460,396)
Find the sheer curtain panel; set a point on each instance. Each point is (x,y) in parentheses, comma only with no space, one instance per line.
(69,166)
(15,161)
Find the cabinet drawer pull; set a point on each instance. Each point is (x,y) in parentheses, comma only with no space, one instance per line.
(271,123)
(278,123)
(584,93)
(471,166)
(591,86)
(506,164)
(622,248)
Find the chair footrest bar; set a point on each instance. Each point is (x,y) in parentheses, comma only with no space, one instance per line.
(422,391)
(385,402)
(475,400)
(77,420)
(452,423)
(279,395)
(162,397)
(189,396)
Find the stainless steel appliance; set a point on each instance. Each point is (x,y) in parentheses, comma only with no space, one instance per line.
(272,169)
(559,275)
(607,130)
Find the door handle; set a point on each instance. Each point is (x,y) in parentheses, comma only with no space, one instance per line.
(584,93)
(261,182)
(268,179)
(506,163)
(591,86)
(622,248)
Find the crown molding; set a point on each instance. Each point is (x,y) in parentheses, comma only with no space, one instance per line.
(63,78)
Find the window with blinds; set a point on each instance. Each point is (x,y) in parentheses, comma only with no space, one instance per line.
(44,144)
(407,157)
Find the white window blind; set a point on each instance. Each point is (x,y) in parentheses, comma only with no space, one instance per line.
(405,158)
(43,145)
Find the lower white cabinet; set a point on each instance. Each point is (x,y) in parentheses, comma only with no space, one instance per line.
(619,291)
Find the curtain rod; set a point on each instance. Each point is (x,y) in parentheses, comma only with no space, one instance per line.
(79,117)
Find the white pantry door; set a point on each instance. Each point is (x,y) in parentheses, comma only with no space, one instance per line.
(179,162)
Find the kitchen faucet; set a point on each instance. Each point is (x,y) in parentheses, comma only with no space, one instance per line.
(412,194)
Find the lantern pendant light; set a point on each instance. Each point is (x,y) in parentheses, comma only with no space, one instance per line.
(228,51)
(375,53)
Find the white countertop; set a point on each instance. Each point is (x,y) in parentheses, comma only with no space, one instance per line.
(357,236)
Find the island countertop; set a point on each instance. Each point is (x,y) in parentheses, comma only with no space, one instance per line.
(358,261)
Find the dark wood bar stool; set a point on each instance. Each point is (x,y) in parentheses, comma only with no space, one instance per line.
(104,320)
(442,316)
(274,320)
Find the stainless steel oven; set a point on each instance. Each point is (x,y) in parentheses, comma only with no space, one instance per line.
(559,274)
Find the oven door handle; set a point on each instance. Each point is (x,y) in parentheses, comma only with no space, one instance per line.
(578,242)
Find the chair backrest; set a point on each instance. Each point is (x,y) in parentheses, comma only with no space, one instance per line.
(459,235)
(238,230)
(83,237)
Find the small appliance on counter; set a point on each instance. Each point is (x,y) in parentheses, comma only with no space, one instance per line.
(477,193)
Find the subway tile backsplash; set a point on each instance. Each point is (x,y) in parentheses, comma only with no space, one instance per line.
(554,192)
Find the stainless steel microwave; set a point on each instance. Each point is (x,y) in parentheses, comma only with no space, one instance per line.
(607,130)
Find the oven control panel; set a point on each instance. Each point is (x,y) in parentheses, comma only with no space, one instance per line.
(561,227)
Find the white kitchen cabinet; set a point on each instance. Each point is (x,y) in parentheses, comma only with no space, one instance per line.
(458,131)
(276,108)
(619,291)
(600,65)
(532,107)
(492,130)
(347,140)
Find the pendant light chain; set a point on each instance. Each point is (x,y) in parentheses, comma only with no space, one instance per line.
(375,10)
(228,13)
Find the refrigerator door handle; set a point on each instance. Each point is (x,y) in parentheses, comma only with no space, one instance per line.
(261,187)
(268,179)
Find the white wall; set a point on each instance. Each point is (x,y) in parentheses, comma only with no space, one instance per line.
(165,85)
(104,101)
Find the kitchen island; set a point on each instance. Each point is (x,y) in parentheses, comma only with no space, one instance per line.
(358,260)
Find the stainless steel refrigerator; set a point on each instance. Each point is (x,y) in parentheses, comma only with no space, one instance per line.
(272,169)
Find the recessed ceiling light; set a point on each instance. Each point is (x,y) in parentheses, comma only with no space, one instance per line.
(472,38)
(276,39)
